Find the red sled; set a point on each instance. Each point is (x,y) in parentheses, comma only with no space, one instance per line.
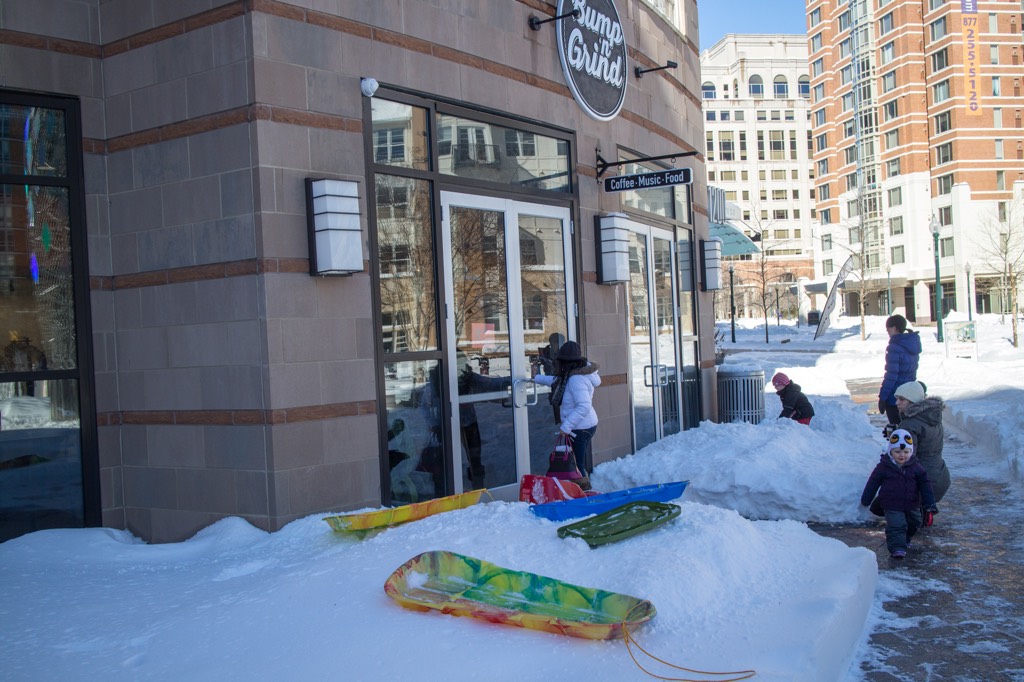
(543,489)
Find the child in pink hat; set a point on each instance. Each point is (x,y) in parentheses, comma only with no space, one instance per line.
(795,404)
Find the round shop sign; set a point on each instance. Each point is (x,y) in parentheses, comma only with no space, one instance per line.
(593,53)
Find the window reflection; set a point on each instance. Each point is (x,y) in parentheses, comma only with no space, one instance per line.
(659,201)
(400,135)
(415,438)
(484,151)
(687,307)
(32,141)
(406,264)
(36,287)
(40,457)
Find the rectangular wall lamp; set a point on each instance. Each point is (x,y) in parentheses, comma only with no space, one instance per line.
(711,263)
(614,248)
(333,221)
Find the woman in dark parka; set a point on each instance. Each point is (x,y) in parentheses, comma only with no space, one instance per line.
(922,417)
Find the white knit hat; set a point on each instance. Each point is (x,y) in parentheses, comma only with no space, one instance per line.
(912,391)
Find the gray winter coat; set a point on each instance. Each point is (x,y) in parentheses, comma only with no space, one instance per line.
(924,422)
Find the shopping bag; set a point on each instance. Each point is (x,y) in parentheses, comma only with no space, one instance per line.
(543,489)
(562,461)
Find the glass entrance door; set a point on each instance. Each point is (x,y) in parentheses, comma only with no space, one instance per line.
(651,320)
(508,296)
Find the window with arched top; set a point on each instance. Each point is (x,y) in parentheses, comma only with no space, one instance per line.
(756,87)
(707,90)
(805,87)
(781,87)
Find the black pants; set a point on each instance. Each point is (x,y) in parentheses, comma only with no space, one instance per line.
(891,412)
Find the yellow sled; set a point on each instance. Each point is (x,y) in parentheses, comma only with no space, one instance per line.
(383,518)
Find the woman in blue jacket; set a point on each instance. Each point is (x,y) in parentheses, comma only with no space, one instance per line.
(901,358)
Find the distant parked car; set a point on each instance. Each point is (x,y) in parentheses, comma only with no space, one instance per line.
(813,317)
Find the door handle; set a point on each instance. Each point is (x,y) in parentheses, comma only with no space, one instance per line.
(651,383)
(518,390)
(662,375)
(535,394)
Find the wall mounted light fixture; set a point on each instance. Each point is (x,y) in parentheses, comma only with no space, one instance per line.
(536,22)
(711,263)
(613,244)
(640,72)
(335,235)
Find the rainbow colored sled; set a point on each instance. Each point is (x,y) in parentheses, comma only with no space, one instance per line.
(383,518)
(463,586)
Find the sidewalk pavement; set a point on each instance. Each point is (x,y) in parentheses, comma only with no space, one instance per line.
(962,616)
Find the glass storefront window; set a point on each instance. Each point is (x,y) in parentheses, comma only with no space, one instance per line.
(34,141)
(416,457)
(36,287)
(485,151)
(400,135)
(659,201)
(406,265)
(687,302)
(40,457)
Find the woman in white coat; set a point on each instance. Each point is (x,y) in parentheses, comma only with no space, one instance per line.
(573,383)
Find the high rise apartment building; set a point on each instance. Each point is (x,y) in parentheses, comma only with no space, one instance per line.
(916,115)
(756,99)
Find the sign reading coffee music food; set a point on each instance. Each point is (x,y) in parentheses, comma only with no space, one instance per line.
(593,53)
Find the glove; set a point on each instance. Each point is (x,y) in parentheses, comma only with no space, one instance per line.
(929,515)
(889,428)
(881,406)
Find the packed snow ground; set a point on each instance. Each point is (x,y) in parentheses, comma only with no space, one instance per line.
(738,580)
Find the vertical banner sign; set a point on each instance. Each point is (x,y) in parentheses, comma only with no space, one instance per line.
(592,48)
(969,38)
(830,303)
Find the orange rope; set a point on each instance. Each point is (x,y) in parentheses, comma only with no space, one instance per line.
(627,636)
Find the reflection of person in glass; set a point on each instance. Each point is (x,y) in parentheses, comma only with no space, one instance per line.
(573,384)
(470,382)
(546,355)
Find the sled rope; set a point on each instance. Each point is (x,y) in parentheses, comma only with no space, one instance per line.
(631,642)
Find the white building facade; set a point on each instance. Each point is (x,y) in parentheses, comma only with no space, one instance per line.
(756,99)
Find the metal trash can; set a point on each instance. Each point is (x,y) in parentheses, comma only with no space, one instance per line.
(740,395)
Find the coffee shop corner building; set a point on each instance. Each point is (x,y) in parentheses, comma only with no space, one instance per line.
(273,258)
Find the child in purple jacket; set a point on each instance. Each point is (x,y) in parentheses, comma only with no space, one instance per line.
(903,489)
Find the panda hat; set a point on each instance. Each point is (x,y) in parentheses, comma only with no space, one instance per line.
(901,439)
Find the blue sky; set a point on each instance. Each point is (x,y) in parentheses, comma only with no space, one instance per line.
(718,17)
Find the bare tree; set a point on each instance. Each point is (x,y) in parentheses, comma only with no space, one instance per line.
(765,274)
(862,241)
(1000,244)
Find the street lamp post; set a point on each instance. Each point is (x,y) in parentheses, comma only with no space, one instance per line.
(888,288)
(934,226)
(732,299)
(967,270)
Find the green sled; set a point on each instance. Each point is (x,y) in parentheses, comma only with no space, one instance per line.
(620,523)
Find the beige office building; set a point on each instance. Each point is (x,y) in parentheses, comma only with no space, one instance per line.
(756,94)
(269,258)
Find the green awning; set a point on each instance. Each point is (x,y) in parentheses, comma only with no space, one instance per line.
(734,242)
